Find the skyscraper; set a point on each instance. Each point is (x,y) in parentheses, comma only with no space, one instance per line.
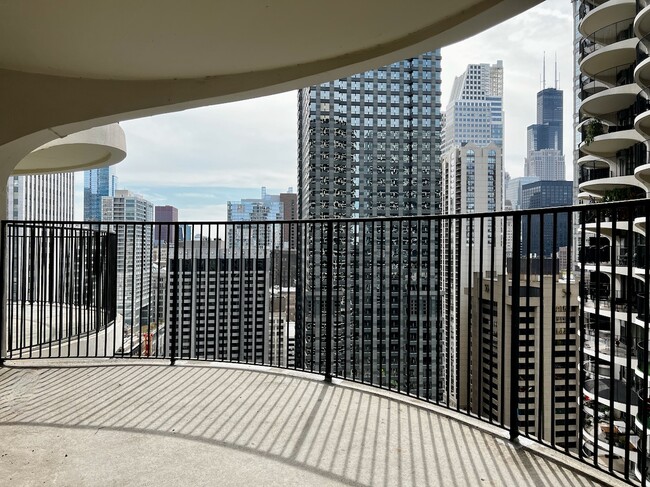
(368,145)
(97,184)
(611,163)
(545,194)
(134,245)
(164,214)
(223,305)
(475,109)
(41,197)
(545,154)
(472,180)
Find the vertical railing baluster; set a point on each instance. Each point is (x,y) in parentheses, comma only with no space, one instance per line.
(514,333)
(4,298)
(329,305)
(174,277)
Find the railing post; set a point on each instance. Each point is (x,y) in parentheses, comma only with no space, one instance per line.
(514,326)
(174,311)
(3,293)
(329,315)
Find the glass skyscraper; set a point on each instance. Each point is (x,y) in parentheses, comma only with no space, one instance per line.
(545,157)
(97,184)
(368,146)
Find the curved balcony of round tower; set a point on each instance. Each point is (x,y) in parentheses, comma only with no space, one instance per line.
(602,63)
(590,172)
(642,19)
(642,69)
(642,174)
(607,145)
(639,225)
(612,435)
(590,86)
(607,103)
(595,162)
(88,149)
(614,32)
(643,362)
(606,13)
(642,419)
(599,188)
(642,120)
(603,390)
(607,228)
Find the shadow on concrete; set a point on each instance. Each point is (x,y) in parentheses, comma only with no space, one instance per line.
(208,425)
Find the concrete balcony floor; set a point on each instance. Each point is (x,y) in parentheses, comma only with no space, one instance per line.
(115,422)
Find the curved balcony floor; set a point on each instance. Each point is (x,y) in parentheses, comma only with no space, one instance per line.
(642,73)
(595,162)
(606,145)
(639,225)
(642,123)
(96,423)
(607,103)
(606,228)
(598,187)
(619,394)
(88,149)
(617,54)
(642,173)
(605,14)
(617,438)
(642,23)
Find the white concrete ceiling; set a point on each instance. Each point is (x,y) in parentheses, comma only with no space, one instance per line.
(169,39)
(70,65)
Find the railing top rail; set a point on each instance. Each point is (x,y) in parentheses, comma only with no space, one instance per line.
(455,216)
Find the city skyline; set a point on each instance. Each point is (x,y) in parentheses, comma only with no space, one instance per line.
(216,141)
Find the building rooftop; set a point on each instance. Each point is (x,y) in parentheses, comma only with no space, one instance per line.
(145,423)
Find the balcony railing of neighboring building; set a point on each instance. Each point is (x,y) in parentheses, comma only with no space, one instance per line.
(620,75)
(439,308)
(614,32)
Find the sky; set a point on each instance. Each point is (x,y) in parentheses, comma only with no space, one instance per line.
(198,160)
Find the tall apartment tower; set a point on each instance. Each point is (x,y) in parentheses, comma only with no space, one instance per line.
(545,153)
(368,146)
(222,305)
(97,184)
(134,245)
(41,197)
(611,163)
(472,182)
(542,327)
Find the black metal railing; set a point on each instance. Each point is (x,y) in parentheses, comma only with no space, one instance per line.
(615,32)
(60,289)
(489,314)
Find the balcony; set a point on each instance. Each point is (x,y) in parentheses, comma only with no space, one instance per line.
(611,433)
(104,422)
(612,391)
(604,345)
(607,145)
(308,357)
